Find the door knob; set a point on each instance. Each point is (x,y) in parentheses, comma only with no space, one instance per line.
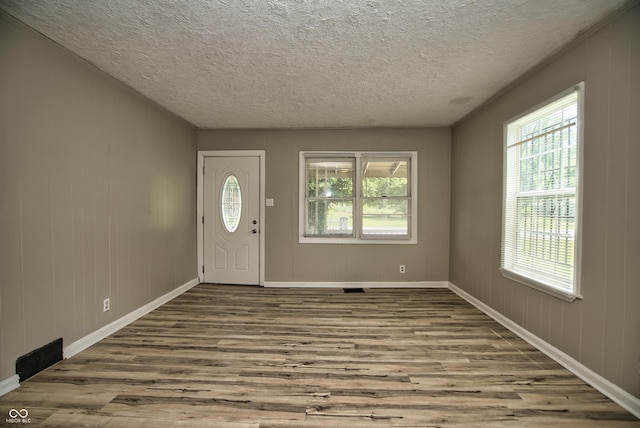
(254,231)
(255,222)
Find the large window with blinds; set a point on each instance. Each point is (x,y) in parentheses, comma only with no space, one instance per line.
(542,182)
(358,197)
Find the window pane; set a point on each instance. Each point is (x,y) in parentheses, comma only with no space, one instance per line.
(330,192)
(330,178)
(549,162)
(385,177)
(385,216)
(231,203)
(329,217)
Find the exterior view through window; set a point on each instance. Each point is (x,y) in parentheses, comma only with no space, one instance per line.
(385,196)
(358,196)
(330,196)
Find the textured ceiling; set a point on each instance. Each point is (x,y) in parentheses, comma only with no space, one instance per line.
(313,63)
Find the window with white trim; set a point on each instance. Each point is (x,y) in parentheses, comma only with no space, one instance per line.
(358,197)
(542,175)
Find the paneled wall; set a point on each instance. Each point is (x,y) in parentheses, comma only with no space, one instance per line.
(287,260)
(602,331)
(97,197)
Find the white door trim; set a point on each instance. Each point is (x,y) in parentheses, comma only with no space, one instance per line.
(202,154)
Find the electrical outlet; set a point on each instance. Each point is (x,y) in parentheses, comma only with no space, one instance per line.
(402,270)
(106,305)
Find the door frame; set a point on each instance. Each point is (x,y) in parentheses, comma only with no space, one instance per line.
(202,154)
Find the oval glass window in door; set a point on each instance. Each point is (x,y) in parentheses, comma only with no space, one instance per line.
(231,203)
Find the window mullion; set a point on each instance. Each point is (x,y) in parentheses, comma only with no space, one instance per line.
(357,194)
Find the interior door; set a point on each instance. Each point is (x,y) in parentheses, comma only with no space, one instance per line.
(231,220)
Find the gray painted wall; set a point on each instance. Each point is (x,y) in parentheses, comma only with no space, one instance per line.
(97,197)
(287,260)
(602,331)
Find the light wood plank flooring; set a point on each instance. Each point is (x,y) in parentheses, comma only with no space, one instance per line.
(234,356)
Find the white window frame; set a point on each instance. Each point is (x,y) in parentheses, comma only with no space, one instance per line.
(357,237)
(508,268)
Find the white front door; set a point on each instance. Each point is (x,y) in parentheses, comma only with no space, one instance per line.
(231,220)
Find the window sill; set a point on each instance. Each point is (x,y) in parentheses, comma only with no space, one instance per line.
(387,241)
(532,283)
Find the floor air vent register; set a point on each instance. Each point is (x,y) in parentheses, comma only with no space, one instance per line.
(36,361)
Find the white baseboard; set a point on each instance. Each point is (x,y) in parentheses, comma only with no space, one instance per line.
(9,385)
(356,284)
(93,338)
(614,392)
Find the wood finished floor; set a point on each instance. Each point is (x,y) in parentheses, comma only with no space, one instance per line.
(233,356)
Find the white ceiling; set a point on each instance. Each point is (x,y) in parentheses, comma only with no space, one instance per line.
(314,63)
